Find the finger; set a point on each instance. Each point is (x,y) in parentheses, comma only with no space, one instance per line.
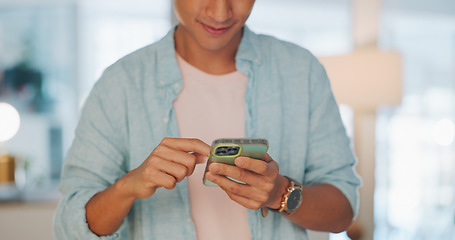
(178,171)
(200,158)
(237,173)
(268,158)
(240,189)
(177,156)
(163,179)
(157,164)
(244,201)
(188,145)
(258,166)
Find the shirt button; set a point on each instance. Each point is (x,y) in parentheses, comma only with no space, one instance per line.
(176,85)
(257,60)
(161,82)
(188,220)
(165,120)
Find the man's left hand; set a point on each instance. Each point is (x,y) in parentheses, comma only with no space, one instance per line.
(263,187)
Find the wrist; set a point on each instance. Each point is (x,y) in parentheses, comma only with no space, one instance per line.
(124,188)
(291,199)
(283,185)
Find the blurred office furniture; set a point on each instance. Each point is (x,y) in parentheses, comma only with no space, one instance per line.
(26,220)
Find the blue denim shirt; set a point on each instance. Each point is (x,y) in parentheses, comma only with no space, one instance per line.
(130,109)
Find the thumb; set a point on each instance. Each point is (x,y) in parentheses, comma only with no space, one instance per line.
(200,158)
(267,158)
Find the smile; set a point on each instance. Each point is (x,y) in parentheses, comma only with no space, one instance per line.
(215,30)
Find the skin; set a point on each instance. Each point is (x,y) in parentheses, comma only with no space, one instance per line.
(324,207)
(210,31)
(168,164)
(208,37)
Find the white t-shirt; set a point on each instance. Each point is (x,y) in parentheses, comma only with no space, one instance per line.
(210,107)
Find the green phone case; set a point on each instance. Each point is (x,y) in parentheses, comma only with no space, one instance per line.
(225,150)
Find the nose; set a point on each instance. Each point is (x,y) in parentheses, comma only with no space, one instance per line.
(219,10)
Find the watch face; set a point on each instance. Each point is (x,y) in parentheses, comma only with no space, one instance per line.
(294,200)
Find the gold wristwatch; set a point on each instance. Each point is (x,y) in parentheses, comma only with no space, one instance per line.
(292,198)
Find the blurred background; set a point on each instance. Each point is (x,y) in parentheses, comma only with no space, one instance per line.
(391,64)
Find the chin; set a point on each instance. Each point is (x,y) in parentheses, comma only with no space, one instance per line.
(218,44)
(214,45)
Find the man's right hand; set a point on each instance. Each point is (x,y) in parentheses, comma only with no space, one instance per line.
(168,164)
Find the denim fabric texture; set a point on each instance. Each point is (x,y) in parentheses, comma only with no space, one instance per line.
(130,110)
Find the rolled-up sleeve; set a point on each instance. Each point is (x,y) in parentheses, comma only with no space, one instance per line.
(330,158)
(95,160)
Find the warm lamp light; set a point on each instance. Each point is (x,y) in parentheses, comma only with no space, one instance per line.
(9,125)
(9,122)
(365,79)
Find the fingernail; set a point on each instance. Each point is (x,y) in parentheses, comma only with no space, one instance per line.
(239,161)
(209,176)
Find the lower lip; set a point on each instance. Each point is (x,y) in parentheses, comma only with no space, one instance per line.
(214,31)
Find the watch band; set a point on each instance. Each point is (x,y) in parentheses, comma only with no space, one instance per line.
(294,189)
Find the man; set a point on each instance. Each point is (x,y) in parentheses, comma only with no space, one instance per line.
(209,78)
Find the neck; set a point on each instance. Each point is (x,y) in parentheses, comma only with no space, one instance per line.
(217,62)
(209,62)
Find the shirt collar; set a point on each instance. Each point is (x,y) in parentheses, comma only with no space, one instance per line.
(168,69)
(169,72)
(247,54)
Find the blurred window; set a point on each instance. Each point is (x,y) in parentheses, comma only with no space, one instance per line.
(51,53)
(323,27)
(37,76)
(110,30)
(415,180)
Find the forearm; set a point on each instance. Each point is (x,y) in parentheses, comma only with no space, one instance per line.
(169,163)
(324,208)
(106,210)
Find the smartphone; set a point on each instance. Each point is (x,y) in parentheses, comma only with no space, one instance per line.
(226,150)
